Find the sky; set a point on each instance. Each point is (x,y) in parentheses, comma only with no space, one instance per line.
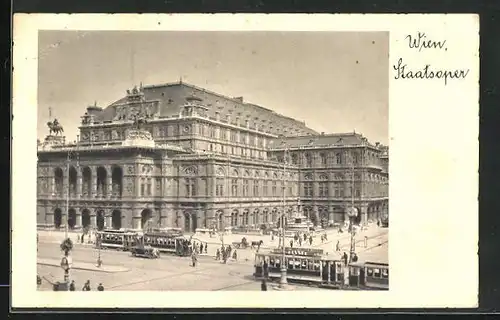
(334,81)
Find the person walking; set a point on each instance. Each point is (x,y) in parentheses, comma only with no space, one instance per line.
(72,285)
(100,287)
(206,247)
(310,240)
(263,285)
(86,286)
(337,247)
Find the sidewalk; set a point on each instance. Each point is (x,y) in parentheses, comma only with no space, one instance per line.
(78,265)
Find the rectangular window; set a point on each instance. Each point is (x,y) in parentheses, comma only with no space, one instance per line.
(142,189)
(358,193)
(308,189)
(190,187)
(274,188)
(149,188)
(234,187)
(245,187)
(323,189)
(265,191)
(219,187)
(256,188)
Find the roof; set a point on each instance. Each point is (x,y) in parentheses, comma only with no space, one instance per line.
(172,96)
(320,140)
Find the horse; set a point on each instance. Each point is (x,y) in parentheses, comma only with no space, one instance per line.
(256,244)
(55,127)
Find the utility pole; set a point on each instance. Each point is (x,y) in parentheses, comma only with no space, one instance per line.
(283,279)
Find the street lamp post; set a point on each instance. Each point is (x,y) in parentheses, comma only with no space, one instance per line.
(67,197)
(283,278)
(352,213)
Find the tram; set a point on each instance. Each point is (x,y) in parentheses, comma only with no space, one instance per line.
(116,239)
(167,242)
(312,267)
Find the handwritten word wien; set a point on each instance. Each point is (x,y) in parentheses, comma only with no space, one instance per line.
(419,43)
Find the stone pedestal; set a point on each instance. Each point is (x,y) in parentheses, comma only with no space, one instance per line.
(54,140)
(139,137)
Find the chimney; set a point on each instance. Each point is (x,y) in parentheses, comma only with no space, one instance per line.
(247,123)
(322,133)
(217,115)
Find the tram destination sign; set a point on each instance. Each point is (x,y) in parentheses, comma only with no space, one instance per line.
(305,252)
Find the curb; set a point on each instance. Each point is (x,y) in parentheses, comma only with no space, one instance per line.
(84,268)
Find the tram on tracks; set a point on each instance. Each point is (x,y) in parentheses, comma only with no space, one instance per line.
(311,266)
(165,241)
(168,242)
(116,239)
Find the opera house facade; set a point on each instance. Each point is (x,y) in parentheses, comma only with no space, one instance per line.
(179,156)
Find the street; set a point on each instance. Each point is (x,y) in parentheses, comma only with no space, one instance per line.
(121,271)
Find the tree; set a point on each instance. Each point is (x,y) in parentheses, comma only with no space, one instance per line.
(67,246)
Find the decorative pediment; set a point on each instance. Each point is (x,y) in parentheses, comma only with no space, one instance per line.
(220,171)
(191,170)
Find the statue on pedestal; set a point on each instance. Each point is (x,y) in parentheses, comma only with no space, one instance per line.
(55,127)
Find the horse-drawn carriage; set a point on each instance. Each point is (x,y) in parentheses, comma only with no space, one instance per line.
(145,252)
(243,244)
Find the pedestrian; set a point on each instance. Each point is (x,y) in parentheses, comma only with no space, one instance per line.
(77,238)
(265,266)
(100,287)
(272,236)
(217,255)
(201,247)
(83,235)
(86,286)
(345,258)
(310,240)
(378,223)
(235,255)
(291,243)
(72,285)
(337,247)
(326,237)
(305,237)
(300,241)
(263,285)
(194,259)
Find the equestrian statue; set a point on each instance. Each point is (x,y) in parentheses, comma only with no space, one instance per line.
(139,122)
(55,127)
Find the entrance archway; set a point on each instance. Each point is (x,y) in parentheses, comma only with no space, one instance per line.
(117,181)
(323,216)
(86,182)
(146,216)
(85,218)
(100,220)
(57,218)
(72,181)
(72,218)
(101,182)
(116,219)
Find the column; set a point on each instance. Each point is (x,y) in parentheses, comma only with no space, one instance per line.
(316,215)
(49,218)
(331,215)
(108,221)
(136,223)
(364,214)
(109,186)
(93,220)
(79,185)
(78,223)
(93,179)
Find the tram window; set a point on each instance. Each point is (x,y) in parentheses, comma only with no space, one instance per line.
(297,264)
(369,272)
(271,261)
(354,271)
(316,266)
(376,273)
(291,263)
(304,264)
(385,273)
(311,265)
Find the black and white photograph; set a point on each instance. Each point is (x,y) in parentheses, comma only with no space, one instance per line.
(212,161)
(194,161)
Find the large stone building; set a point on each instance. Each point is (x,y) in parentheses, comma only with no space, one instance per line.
(176,155)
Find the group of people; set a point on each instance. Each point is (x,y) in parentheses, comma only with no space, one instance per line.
(86,286)
(223,253)
(299,238)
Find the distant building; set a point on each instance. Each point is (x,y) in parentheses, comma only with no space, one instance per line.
(203,160)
